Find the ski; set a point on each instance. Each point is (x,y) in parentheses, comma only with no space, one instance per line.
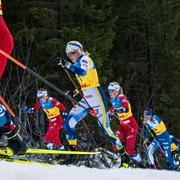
(46,151)
(24,161)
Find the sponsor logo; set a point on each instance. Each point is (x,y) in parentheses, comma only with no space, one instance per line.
(89,96)
(84,85)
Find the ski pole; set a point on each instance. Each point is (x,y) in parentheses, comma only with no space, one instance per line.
(16,119)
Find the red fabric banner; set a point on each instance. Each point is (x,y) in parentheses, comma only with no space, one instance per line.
(6,44)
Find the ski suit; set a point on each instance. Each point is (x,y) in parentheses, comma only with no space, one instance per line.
(86,74)
(128,126)
(9,130)
(6,41)
(51,107)
(155,127)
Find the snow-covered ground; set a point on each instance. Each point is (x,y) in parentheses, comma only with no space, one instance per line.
(14,171)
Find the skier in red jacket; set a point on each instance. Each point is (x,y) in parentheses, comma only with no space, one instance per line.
(128,128)
(53,109)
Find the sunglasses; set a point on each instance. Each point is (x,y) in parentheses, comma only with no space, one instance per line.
(110,91)
(71,54)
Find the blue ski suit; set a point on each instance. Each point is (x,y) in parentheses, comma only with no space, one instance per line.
(156,128)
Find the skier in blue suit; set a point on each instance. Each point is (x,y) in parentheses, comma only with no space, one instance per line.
(156,128)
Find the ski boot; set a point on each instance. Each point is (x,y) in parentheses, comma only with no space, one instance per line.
(70,159)
(125,159)
(137,161)
(61,148)
(6,152)
(49,146)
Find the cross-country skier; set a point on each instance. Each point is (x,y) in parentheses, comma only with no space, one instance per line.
(93,96)
(6,41)
(156,128)
(53,109)
(128,126)
(10,141)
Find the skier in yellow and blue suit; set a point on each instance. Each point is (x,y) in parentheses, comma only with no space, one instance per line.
(94,98)
(156,128)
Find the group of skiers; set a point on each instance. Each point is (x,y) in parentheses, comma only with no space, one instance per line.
(93,101)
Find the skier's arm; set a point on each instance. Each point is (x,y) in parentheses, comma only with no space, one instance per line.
(31,110)
(125,103)
(80,68)
(59,105)
(37,106)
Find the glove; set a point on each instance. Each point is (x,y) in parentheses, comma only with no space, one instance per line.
(62,62)
(120,110)
(24,109)
(124,110)
(28,110)
(31,110)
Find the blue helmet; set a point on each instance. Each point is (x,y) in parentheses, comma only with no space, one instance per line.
(148,112)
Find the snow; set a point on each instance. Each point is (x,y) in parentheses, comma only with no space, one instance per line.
(16,171)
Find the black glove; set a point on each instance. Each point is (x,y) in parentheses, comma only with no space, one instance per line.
(120,110)
(28,110)
(62,62)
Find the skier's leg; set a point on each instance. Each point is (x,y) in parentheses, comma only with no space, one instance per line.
(97,100)
(132,129)
(56,132)
(150,151)
(76,114)
(48,138)
(166,144)
(121,134)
